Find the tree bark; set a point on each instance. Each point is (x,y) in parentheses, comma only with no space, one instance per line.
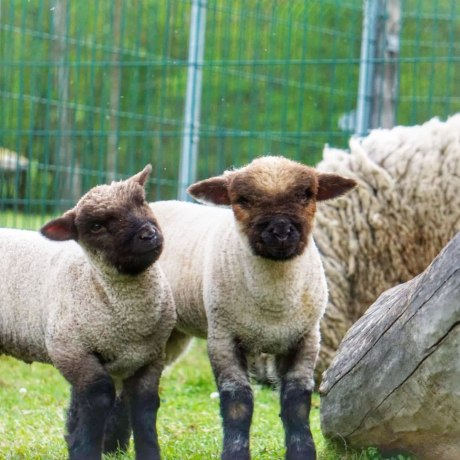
(385,94)
(395,382)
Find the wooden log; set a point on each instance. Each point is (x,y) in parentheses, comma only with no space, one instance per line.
(395,382)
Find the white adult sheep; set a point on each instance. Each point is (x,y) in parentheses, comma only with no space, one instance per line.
(405,210)
(100,311)
(250,279)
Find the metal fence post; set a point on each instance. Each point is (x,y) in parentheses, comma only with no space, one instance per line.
(69,181)
(190,137)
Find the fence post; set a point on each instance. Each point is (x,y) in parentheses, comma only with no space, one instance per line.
(366,66)
(68,178)
(386,69)
(115,86)
(378,78)
(191,133)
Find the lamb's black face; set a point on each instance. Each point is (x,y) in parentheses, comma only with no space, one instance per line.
(114,224)
(274,202)
(125,233)
(130,244)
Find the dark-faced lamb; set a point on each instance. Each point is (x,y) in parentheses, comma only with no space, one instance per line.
(100,311)
(250,279)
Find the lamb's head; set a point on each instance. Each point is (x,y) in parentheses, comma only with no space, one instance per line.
(274,202)
(114,224)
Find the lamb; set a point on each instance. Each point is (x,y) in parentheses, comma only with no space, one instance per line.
(250,279)
(100,311)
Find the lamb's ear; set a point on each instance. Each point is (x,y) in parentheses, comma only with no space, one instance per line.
(333,185)
(141,177)
(214,190)
(61,229)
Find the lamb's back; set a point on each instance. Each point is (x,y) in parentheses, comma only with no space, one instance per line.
(32,270)
(190,232)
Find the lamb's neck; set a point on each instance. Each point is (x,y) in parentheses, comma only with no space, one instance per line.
(117,287)
(260,272)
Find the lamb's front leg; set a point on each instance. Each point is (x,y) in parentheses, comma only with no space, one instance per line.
(142,389)
(118,426)
(93,395)
(296,373)
(229,365)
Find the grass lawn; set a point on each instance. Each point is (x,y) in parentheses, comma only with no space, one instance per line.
(33,400)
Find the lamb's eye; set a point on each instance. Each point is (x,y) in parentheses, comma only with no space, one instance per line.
(305,196)
(96,228)
(243,202)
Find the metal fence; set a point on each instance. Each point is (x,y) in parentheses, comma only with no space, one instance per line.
(92,91)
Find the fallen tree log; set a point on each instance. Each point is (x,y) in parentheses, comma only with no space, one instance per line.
(395,381)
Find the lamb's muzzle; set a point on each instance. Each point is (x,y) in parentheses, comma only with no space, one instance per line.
(148,240)
(278,237)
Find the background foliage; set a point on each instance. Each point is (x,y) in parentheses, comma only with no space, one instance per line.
(94,90)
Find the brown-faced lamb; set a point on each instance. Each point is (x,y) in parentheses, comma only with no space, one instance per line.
(100,311)
(250,279)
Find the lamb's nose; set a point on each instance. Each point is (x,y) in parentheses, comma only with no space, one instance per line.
(280,229)
(147,232)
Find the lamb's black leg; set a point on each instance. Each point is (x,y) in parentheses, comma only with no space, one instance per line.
(92,398)
(236,401)
(118,426)
(295,411)
(236,407)
(94,402)
(296,372)
(144,403)
(72,413)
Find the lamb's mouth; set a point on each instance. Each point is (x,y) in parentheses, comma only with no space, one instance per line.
(146,249)
(276,252)
(149,239)
(138,262)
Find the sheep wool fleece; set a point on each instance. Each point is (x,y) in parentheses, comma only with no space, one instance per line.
(405,210)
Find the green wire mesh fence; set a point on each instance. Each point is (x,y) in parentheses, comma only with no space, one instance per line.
(92,91)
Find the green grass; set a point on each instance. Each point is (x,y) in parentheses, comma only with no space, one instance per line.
(34,399)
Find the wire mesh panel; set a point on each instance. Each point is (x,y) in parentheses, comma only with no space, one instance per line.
(92,91)
(429,64)
(278,75)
